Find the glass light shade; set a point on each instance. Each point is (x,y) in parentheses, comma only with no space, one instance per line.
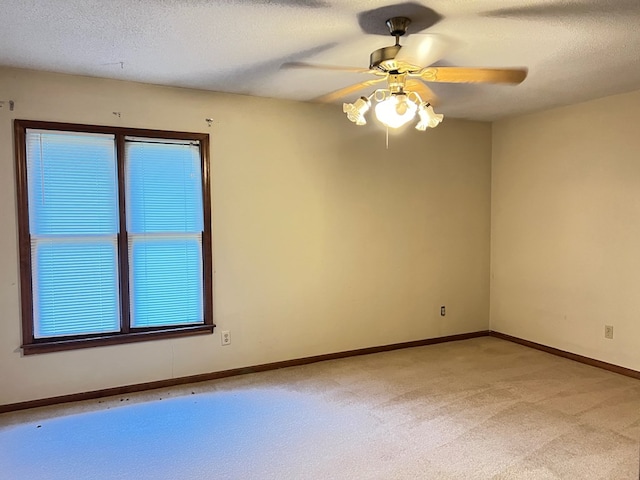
(396,111)
(428,118)
(355,111)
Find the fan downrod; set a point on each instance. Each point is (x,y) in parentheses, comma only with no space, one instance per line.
(383,58)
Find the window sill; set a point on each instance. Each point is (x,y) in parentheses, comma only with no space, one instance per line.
(53,345)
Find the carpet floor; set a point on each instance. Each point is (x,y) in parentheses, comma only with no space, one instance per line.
(474,409)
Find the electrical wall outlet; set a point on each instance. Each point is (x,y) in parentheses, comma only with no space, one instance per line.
(443,311)
(225,337)
(608,331)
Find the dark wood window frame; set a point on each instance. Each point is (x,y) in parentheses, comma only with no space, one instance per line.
(31,345)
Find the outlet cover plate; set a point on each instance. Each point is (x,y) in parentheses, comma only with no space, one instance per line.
(608,331)
(225,337)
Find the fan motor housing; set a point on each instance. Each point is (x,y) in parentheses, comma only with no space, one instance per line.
(384,60)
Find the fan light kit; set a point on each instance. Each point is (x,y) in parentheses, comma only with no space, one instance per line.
(406,71)
(394,109)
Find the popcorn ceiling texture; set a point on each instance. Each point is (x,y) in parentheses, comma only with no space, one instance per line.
(575,50)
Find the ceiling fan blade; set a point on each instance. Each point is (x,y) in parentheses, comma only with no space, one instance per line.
(421,89)
(316,66)
(343,92)
(473,75)
(423,50)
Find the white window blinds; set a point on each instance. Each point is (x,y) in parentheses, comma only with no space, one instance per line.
(165,224)
(73,219)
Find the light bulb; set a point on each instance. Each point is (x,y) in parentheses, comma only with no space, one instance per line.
(396,110)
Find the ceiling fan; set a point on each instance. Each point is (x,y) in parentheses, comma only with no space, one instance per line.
(406,71)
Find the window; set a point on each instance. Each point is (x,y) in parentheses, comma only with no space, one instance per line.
(115,235)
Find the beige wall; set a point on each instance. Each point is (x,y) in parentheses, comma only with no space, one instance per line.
(323,240)
(565,236)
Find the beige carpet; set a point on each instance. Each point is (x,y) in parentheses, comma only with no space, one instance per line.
(476,409)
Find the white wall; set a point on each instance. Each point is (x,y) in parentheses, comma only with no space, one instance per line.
(323,240)
(565,236)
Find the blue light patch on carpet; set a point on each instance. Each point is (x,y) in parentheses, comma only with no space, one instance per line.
(214,435)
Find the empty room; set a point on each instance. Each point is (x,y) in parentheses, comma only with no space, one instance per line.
(319,239)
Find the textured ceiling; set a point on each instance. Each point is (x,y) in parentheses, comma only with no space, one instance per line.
(574,50)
